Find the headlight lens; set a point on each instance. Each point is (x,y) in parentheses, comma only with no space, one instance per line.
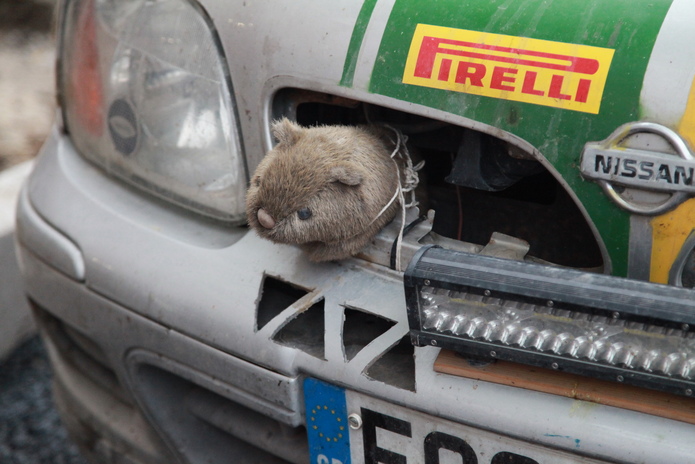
(146,96)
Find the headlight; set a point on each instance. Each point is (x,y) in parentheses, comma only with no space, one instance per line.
(145,94)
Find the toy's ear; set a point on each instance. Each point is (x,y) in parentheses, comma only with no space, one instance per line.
(347,175)
(286,131)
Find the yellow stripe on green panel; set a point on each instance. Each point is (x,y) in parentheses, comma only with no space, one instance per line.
(670,230)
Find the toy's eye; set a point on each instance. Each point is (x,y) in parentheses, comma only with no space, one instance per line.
(304,214)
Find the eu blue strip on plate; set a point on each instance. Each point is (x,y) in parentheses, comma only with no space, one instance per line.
(326,423)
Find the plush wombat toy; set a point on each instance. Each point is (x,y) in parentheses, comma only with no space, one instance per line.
(328,189)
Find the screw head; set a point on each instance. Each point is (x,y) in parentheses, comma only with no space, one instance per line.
(434,342)
(487,293)
(355,421)
(427,282)
(621,378)
(555,366)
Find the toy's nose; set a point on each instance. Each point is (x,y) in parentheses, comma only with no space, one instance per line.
(265,219)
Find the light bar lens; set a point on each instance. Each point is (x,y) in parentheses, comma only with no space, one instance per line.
(590,324)
(146,96)
(594,338)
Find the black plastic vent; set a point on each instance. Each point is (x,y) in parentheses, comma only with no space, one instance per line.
(205,427)
(81,352)
(360,328)
(275,296)
(306,331)
(396,367)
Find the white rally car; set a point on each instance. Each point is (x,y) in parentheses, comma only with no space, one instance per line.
(542,311)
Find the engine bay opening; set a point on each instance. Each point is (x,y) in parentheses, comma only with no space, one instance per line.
(476,183)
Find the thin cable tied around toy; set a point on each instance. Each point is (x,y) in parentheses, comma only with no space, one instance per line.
(406,185)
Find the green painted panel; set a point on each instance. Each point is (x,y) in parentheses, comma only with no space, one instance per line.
(356,42)
(629,27)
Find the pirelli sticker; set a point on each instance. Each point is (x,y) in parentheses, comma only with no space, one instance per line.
(541,72)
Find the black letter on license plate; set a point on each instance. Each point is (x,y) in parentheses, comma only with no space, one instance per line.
(511,458)
(438,440)
(372,453)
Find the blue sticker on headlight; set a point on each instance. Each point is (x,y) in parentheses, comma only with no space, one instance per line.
(326,423)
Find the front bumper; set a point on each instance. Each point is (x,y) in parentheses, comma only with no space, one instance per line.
(178,309)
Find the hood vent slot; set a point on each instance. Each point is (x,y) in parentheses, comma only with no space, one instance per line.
(306,331)
(395,367)
(276,295)
(360,329)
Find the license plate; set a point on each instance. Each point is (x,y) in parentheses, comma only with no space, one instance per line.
(345,427)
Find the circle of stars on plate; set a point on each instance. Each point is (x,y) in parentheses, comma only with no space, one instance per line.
(331,424)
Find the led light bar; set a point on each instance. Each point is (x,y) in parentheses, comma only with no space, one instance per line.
(590,324)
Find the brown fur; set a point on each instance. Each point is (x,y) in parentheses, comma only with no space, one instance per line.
(343,174)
